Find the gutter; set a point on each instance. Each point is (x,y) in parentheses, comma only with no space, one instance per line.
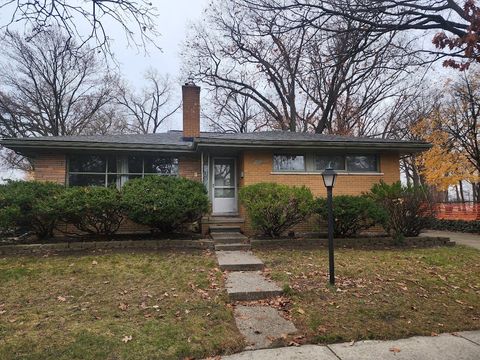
(408,146)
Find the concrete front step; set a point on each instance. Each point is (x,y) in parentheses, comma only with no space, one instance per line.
(224,228)
(228,237)
(238,261)
(223,220)
(232,247)
(250,285)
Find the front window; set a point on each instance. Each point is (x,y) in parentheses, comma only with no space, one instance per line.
(103,170)
(335,162)
(289,163)
(362,163)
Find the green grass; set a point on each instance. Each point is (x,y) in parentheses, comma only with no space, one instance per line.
(171,303)
(383,294)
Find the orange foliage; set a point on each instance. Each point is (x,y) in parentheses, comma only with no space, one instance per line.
(443,165)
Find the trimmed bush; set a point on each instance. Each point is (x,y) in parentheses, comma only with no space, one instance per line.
(407,208)
(274,208)
(165,202)
(94,210)
(29,206)
(472,226)
(351,214)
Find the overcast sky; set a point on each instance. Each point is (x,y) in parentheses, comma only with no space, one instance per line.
(173,20)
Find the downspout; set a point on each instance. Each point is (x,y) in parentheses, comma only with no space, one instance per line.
(201,167)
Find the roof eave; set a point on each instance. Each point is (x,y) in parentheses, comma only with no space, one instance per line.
(404,147)
(19,145)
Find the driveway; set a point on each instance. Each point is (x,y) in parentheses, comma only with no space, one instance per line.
(472,240)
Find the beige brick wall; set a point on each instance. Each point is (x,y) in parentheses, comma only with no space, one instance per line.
(257,166)
(190,167)
(50,167)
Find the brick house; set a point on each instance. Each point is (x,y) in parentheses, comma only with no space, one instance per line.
(223,162)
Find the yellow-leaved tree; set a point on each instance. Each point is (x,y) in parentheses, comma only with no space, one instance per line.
(446,163)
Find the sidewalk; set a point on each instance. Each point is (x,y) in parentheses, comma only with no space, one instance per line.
(472,240)
(458,346)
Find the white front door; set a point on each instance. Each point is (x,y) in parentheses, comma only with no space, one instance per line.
(224,186)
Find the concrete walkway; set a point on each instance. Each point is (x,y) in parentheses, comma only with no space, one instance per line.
(459,346)
(472,240)
(261,326)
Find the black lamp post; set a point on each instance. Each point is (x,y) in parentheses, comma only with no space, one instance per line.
(329,176)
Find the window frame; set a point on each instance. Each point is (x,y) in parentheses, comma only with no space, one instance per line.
(120,174)
(316,154)
(377,164)
(310,162)
(290,154)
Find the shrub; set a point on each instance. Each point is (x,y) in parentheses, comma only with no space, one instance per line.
(274,208)
(29,206)
(165,202)
(351,214)
(94,210)
(407,208)
(472,226)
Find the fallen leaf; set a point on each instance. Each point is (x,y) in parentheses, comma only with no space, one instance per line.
(127,338)
(322,329)
(61,298)
(123,306)
(301,311)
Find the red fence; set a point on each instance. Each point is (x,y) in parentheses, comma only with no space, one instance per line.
(458,211)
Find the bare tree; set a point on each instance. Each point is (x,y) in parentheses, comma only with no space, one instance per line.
(461,120)
(45,90)
(149,109)
(231,112)
(84,20)
(455,23)
(304,78)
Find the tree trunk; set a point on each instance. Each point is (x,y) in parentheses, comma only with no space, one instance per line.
(462,195)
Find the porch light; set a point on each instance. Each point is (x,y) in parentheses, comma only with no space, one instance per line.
(329,176)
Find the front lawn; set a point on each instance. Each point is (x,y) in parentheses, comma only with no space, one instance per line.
(384,294)
(165,305)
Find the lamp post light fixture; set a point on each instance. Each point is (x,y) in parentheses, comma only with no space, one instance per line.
(329,176)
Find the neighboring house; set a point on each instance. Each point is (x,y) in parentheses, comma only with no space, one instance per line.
(224,162)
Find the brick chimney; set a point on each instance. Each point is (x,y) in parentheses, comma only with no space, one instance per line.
(191,110)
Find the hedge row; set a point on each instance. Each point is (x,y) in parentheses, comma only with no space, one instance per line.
(402,211)
(163,203)
(454,225)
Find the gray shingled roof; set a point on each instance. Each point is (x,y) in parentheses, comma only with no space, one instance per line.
(168,138)
(173,140)
(292,136)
